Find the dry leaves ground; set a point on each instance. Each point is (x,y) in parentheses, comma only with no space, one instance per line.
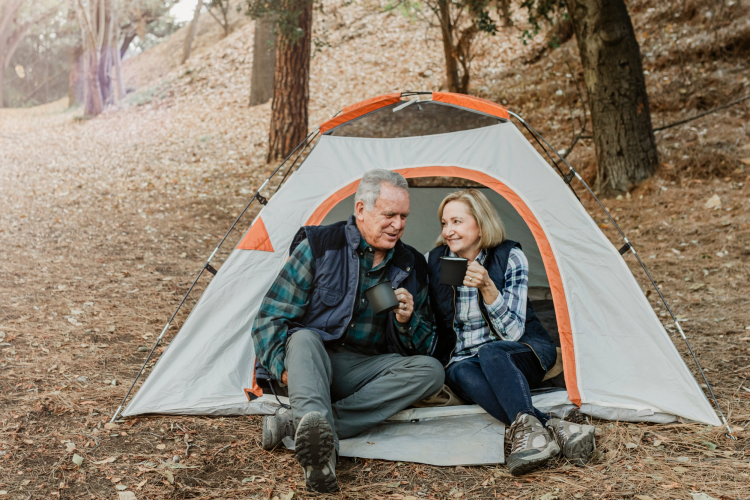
(104,223)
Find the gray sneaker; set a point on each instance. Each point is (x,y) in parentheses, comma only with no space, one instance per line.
(276,427)
(531,445)
(576,440)
(316,453)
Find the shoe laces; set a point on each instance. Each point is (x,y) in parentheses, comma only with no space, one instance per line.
(519,435)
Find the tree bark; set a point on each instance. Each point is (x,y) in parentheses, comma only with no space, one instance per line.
(623,136)
(291,87)
(191,32)
(2,84)
(264,55)
(446,28)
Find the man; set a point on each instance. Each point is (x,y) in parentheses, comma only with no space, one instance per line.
(346,368)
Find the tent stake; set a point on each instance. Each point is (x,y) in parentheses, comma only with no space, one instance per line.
(207,265)
(658,291)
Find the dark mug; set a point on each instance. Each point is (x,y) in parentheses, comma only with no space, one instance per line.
(453,270)
(382,297)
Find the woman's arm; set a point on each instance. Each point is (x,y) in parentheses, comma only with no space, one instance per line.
(507,309)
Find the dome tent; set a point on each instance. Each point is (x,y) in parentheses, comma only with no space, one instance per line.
(619,362)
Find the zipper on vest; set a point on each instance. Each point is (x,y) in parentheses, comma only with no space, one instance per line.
(454,328)
(489,325)
(354,304)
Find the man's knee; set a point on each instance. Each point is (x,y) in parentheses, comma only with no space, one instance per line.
(304,340)
(428,373)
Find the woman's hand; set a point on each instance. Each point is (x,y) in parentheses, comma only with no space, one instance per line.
(478,277)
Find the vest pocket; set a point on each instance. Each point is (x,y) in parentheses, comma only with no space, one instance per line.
(330,296)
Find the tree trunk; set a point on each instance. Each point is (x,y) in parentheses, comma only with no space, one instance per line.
(264,55)
(2,84)
(120,84)
(624,139)
(106,53)
(291,88)
(126,43)
(446,29)
(191,32)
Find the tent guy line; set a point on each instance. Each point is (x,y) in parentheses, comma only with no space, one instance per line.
(207,265)
(629,245)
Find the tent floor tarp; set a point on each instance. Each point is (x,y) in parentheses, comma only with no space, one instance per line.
(456,435)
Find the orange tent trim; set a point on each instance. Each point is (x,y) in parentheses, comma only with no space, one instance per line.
(471,102)
(361,108)
(256,238)
(545,249)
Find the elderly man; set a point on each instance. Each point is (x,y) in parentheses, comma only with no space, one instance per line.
(346,368)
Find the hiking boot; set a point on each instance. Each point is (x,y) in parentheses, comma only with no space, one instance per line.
(531,445)
(576,440)
(276,427)
(316,453)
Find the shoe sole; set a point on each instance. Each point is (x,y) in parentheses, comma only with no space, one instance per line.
(579,447)
(267,440)
(314,446)
(522,465)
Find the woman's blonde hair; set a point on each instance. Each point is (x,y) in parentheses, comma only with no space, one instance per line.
(491,227)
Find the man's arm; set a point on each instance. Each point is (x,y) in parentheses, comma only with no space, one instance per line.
(418,333)
(285,303)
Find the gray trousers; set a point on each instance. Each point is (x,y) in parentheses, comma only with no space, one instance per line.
(354,391)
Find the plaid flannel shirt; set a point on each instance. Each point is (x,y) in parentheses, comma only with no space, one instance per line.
(507,313)
(286,303)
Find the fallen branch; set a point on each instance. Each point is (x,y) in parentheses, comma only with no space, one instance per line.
(701,115)
(222,449)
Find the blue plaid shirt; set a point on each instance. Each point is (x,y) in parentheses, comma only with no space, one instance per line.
(507,313)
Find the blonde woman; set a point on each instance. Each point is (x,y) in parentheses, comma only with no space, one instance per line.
(493,346)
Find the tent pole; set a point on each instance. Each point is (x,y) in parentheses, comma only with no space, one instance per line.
(207,265)
(629,246)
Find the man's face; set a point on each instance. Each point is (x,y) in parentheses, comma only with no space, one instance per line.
(383,226)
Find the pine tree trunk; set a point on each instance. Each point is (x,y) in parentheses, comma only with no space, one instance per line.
(191,32)
(2,83)
(291,88)
(451,65)
(264,54)
(624,139)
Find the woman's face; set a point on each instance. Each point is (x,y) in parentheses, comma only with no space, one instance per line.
(460,230)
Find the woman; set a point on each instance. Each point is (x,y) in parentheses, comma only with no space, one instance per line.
(493,345)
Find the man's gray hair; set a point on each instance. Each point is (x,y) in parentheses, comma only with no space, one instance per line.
(369,189)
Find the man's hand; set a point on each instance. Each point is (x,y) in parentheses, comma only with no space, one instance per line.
(405,306)
(284,378)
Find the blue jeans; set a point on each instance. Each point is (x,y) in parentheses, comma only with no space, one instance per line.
(498,379)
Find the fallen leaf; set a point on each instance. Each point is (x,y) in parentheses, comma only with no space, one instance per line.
(657,442)
(77,459)
(713,202)
(105,461)
(287,496)
(169,476)
(630,446)
(643,497)
(126,495)
(669,486)
(141,484)
(249,479)
(28,441)
(111,425)
(121,487)
(25,482)
(680,470)
(683,459)
(394,485)
(702,496)
(746,161)
(548,496)
(70,447)
(161,446)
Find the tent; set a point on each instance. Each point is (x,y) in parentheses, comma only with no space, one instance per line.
(619,361)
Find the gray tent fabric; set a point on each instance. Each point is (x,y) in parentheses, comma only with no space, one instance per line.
(619,359)
(422,235)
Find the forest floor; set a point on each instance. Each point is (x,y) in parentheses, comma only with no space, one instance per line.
(104,223)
